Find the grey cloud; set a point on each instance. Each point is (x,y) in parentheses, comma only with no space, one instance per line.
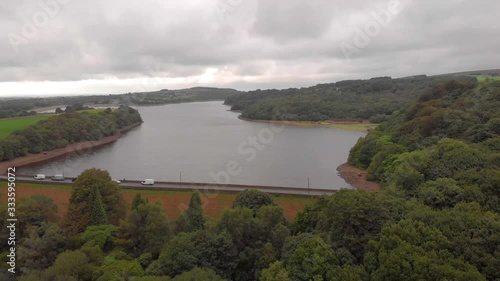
(293,19)
(301,38)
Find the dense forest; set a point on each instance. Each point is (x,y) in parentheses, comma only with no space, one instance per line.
(373,99)
(63,129)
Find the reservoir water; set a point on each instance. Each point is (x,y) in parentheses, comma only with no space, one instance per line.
(204,142)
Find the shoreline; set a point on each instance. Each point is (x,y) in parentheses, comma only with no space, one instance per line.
(44,156)
(342,125)
(41,110)
(353,176)
(357,178)
(172,103)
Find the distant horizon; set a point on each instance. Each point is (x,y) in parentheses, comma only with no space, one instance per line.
(246,89)
(62,47)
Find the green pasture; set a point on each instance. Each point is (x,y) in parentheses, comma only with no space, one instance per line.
(10,125)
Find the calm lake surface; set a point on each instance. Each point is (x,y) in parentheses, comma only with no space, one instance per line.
(204,142)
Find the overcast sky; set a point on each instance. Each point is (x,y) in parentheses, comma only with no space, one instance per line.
(116,46)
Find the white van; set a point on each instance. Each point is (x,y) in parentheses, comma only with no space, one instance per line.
(148,182)
(58,178)
(39,177)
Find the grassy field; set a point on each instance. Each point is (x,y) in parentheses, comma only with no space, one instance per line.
(9,125)
(173,202)
(95,110)
(357,127)
(362,127)
(482,78)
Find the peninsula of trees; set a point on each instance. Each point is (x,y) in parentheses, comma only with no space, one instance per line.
(373,99)
(67,128)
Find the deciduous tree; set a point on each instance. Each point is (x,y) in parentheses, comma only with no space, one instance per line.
(145,230)
(84,207)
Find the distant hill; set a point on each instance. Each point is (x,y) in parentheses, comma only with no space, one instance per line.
(474,73)
(166,96)
(375,98)
(14,107)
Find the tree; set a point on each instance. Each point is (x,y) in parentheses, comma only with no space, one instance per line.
(354,217)
(473,234)
(179,255)
(382,160)
(40,249)
(312,260)
(145,260)
(441,193)
(307,219)
(410,250)
(291,245)
(252,199)
(64,267)
(102,236)
(241,225)
(198,274)
(217,252)
(487,182)
(84,207)
(59,110)
(362,152)
(275,272)
(192,219)
(138,200)
(450,157)
(407,172)
(36,210)
(188,250)
(97,212)
(144,231)
(153,278)
(249,235)
(348,272)
(266,255)
(115,269)
(273,226)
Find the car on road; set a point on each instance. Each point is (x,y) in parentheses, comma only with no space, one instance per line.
(148,182)
(117,181)
(39,177)
(58,178)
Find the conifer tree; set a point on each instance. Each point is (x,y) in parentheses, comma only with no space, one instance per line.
(194,214)
(97,211)
(138,200)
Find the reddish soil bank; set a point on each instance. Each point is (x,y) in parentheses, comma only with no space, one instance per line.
(172,203)
(357,178)
(80,147)
(341,121)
